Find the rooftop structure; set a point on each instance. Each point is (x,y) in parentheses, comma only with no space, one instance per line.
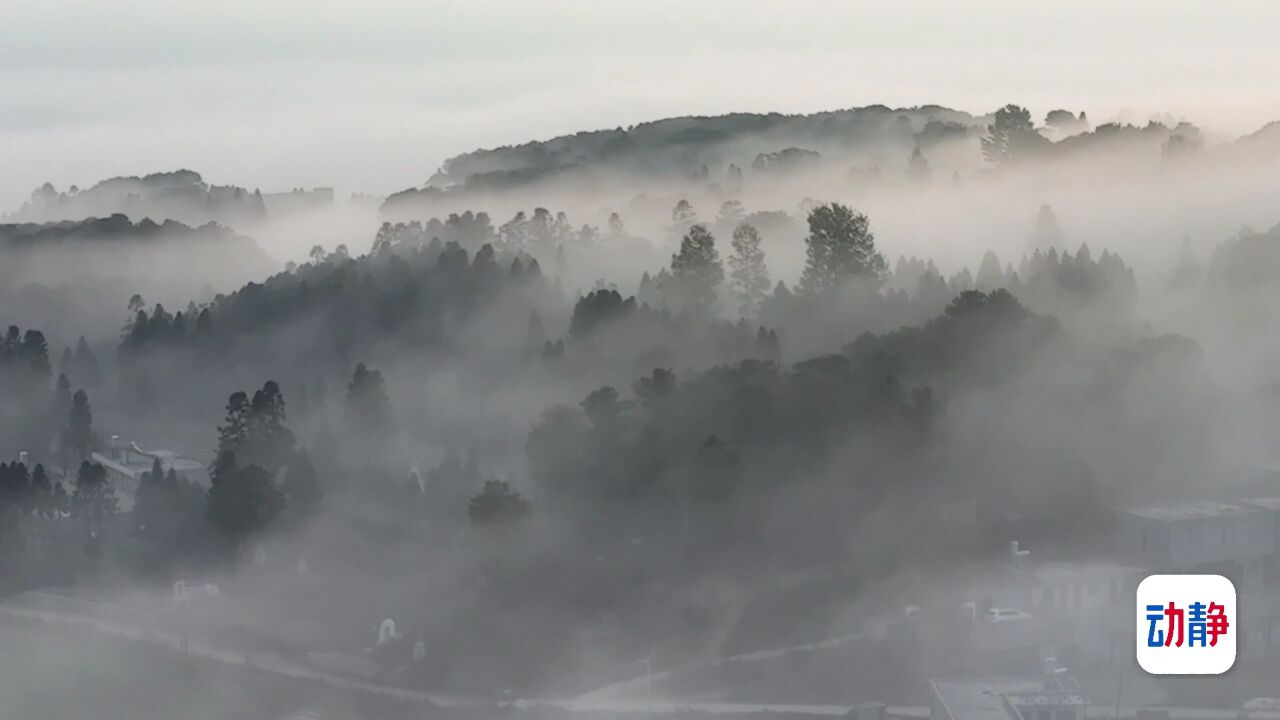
(126,464)
(1053,696)
(1193,510)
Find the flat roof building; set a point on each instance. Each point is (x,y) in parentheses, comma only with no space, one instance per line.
(1053,696)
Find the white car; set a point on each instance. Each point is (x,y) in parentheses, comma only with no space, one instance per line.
(999,615)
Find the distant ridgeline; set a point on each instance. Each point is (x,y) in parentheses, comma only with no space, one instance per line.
(181,195)
(693,141)
(861,143)
(117,227)
(687,146)
(152,253)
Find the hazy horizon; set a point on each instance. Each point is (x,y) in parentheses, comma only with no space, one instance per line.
(373,97)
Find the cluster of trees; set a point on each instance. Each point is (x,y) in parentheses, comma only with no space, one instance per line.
(840,251)
(1012,138)
(45,422)
(676,461)
(539,234)
(259,467)
(684,147)
(24,385)
(34,505)
(182,195)
(415,297)
(1052,281)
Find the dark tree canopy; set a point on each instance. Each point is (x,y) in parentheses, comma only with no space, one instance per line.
(839,248)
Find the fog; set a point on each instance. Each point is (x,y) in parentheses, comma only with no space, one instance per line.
(438,388)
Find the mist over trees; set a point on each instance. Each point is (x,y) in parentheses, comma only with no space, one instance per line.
(623,393)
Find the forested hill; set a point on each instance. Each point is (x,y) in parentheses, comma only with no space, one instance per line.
(182,195)
(74,277)
(117,227)
(656,145)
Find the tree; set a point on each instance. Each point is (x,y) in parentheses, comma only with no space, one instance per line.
(94,498)
(683,215)
(233,433)
(42,500)
(35,355)
(1012,137)
(242,500)
(748,274)
(918,168)
(497,504)
(990,276)
(696,270)
(269,443)
(731,212)
(1046,234)
(839,248)
(78,437)
(368,409)
(149,502)
(616,227)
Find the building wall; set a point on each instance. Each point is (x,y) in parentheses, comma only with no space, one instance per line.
(1184,544)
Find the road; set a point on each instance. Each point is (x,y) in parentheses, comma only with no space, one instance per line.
(593,702)
(287,668)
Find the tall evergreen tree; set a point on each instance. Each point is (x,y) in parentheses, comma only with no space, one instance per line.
(1011,137)
(368,409)
(86,368)
(78,438)
(839,248)
(41,492)
(94,498)
(748,273)
(696,270)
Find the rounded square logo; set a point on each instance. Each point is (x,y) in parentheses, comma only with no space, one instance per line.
(1187,624)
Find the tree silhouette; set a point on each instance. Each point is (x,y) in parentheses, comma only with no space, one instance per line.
(748,274)
(497,504)
(78,437)
(1011,137)
(368,409)
(242,500)
(696,270)
(94,498)
(839,248)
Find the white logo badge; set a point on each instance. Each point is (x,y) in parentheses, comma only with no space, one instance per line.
(1187,624)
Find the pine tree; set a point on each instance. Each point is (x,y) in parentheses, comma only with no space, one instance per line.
(696,270)
(149,503)
(368,409)
(918,168)
(269,443)
(78,437)
(748,274)
(839,248)
(87,370)
(94,498)
(497,504)
(233,433)
(1012,137)
(41,492)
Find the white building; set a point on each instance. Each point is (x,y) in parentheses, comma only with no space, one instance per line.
(125,465)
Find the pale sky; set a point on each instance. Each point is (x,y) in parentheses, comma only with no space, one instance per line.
(371,95)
